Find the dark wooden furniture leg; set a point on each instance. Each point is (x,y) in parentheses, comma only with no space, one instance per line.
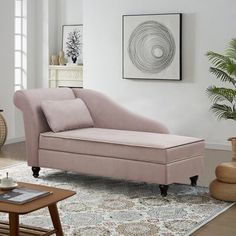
(35,171)
(55,219)
(14,224)
(163,189)
(194,180)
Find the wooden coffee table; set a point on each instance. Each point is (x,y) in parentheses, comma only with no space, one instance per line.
(14,229)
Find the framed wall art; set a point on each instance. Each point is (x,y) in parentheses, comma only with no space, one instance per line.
(72,43)
(152,46)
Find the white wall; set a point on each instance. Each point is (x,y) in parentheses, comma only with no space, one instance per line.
(7,64)
(41,43)
(71,12)
(53,15)
(62,12)
(183,106)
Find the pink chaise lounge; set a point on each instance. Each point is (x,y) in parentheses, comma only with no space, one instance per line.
(118,143)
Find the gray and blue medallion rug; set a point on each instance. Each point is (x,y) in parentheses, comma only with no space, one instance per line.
(107,207)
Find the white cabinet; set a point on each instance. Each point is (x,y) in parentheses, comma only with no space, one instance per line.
(65,76)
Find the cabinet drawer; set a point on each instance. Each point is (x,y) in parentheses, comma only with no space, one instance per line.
(70,83)
(65,76)
(69,75)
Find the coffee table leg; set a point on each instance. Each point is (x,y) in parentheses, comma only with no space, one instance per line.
(14,224)
(55,219)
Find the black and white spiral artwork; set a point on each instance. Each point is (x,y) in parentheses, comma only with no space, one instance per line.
(151,46)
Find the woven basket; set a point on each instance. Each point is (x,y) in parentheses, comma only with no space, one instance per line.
(3,131)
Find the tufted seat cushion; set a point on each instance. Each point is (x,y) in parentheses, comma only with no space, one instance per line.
(124,144)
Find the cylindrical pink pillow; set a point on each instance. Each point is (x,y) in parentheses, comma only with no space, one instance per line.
(68,114)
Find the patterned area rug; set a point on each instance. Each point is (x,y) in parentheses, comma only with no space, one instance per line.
(105,207)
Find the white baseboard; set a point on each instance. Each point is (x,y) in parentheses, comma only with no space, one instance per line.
(15,140)
(215,146)
(218,146)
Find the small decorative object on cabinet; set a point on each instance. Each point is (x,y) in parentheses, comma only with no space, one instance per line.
(3,130)
(61,58)
(65,76)
(54,60)
(223,105)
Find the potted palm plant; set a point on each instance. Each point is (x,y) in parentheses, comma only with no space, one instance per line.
(224,98)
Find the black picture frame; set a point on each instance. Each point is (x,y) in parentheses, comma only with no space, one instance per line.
(65,30)
(142,26)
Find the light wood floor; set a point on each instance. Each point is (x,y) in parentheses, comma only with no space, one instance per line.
(223,225)
(12,154)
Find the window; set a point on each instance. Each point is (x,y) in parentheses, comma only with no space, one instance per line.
(20,44)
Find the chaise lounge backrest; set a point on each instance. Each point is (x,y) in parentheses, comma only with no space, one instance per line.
(108,114)
(105,114)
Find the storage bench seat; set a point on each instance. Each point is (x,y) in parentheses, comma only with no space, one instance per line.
(125,144)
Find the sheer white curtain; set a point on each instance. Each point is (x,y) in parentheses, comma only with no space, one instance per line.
(20,44)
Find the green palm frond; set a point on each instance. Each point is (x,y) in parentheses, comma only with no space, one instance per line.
(218,60)
(222,62)
(223,76)
(221,94)
(231,50)
(223,111)
(224,68)
(232,69)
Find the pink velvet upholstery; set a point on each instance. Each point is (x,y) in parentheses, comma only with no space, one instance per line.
(131,145)
(108,114)
(176,172)
(29,101)
(121,144)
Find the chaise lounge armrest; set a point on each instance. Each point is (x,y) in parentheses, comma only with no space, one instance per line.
(29,102)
